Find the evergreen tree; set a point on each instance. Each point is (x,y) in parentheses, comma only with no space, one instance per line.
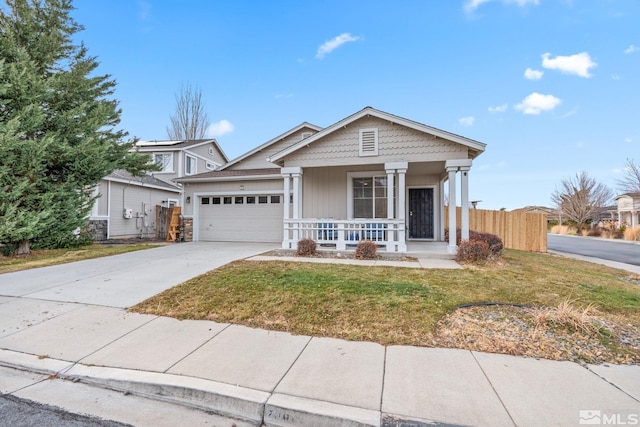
(58,133)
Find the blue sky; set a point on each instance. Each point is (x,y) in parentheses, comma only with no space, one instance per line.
(551,86)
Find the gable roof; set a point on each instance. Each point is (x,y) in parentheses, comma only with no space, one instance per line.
(271,142)
(147,180)
(632,195)
(475,147)
(170,145)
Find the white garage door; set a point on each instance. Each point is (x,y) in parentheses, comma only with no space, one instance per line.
(240,218)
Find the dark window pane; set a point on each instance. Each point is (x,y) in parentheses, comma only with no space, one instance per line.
(227,200)
(263,199)
(251,200)
(205,200)
(239,200)
(275,199)
(215,200)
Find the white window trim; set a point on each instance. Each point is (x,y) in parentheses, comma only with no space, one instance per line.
(210,166)
(350,176)
(187,158)
(172,162)
(367,153)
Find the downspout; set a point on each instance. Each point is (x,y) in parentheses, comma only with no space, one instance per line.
(109,210)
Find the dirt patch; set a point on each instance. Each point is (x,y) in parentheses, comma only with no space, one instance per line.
(541,332)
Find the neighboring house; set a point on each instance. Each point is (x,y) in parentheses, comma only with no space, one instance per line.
(628,209)
(552,214)
(183,158)
(126,206)
(372,175)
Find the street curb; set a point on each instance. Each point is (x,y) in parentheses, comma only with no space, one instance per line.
(257,407)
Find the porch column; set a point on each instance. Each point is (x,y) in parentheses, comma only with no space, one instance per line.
(286,244)
(297,205)
(390,208)
(464,190)
(452,248)
(402,242)
(441,207)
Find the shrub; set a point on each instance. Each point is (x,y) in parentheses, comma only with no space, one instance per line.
(473,251)
(493,241)
(594,232)
(306,247)
(366,249)
(632,233)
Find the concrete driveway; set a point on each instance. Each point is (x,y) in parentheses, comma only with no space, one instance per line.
(127,279)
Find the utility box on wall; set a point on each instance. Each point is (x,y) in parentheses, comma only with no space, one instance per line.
(128,213)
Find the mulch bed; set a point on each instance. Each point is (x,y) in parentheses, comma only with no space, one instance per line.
(539,332)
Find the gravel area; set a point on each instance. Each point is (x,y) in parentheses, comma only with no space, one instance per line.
(557,333)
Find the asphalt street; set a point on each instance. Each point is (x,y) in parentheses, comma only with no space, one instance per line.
(612,250)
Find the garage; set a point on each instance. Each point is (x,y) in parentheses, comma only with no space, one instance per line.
(240,218)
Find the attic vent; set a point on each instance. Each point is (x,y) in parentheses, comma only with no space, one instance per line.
(369,142)
(306,135)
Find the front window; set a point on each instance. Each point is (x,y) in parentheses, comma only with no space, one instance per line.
(165,161)
(370,197)
(190,167)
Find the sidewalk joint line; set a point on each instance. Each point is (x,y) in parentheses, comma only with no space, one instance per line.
(492,387)
(166,371)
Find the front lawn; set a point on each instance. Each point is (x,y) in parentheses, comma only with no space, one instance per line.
(397,305)
(47,257)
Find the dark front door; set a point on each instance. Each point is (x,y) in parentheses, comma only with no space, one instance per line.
(421,213)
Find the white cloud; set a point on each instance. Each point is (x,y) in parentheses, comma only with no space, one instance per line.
(221,128)
(578,64)
(632,48)
(615,77)
(499,109)
(532,74)
(329,46)
(628,140)
(472,5)
(467,121)
(537,103)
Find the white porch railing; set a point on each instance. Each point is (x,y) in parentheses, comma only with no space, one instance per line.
(341,233)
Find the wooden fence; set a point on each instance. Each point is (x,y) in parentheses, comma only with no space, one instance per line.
(521,231)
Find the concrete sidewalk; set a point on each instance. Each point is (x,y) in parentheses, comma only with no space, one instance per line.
(278,379)
(66,323)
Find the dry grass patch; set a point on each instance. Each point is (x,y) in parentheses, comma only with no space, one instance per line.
(407,306)
(47,257)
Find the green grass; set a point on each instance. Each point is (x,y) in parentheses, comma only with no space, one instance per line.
(385,304)
(43,258)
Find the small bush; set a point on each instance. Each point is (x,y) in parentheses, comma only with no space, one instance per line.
(594,232)
(366,249)
(493,241)
(306,247)
(632,233)
(473,251)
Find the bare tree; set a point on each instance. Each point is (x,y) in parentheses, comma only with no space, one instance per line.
(190,120)
(630,182)
(581,198)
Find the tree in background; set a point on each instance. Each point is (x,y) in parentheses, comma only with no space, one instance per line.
(190,120)
(581,199)
(57,127)
(630,182)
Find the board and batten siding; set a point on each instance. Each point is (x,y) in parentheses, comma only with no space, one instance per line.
(395,142)
(258,160)
(134,198)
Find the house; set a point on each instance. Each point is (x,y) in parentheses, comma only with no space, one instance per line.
(125,207)
(552,214)
(628,209)
(371,175)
